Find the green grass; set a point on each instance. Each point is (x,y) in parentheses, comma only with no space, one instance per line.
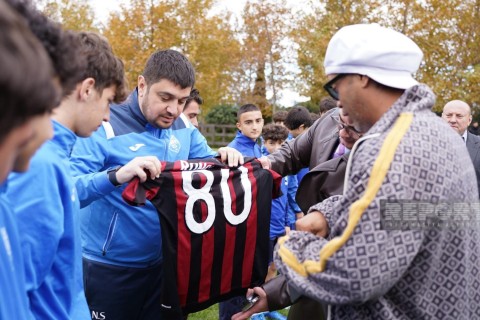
(212,314)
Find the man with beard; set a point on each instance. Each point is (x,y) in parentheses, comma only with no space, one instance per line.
(122,245)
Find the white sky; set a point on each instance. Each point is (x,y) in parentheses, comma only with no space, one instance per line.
(103,8)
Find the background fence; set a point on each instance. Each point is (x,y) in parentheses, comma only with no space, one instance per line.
(218,135)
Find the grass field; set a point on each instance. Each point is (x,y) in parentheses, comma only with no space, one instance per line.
(212,314)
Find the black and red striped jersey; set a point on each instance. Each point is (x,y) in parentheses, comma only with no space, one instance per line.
(215,229)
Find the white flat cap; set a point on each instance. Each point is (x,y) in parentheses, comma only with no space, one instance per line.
(384,55)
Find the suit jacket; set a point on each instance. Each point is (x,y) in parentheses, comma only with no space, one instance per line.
(323,181)
(473,147)
(309,149)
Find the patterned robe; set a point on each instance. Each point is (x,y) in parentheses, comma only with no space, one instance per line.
(395,273)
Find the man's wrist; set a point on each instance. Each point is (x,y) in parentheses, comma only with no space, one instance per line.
(112,176)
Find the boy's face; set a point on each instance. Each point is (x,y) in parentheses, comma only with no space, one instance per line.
(192,111)
(96,109)
(251,124)
(273,145)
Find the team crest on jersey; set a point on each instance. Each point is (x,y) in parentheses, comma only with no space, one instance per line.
(174,144)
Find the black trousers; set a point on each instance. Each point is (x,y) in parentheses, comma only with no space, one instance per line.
(122,293)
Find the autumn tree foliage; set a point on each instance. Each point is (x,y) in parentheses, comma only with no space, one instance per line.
(272,45)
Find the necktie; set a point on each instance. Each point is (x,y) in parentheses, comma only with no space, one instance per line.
(340,151)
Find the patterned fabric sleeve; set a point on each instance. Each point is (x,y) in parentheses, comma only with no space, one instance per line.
(367,266)
(327,208)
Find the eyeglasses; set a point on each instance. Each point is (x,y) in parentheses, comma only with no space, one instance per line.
(329,85)
(354,133)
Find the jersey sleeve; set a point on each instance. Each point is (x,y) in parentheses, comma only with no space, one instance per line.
(87,164)
(293,155)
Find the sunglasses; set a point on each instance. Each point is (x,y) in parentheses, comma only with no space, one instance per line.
(354,133)
(329,85)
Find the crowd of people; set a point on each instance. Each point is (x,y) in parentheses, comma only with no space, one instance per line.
(72,138)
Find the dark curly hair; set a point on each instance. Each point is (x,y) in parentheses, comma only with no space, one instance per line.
(274,132)
(27,88)
(194,96)
(60,45)
(279,116)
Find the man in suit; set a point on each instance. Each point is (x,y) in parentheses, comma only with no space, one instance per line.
(458,114)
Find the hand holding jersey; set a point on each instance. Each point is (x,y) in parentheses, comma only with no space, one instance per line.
(150,167)
(138,167)
(230,156)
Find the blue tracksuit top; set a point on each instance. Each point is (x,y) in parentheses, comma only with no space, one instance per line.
(46,210)
(112,231)
(13,296)
(246,146)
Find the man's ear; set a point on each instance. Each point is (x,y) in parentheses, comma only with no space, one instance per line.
(142,86)
(238,125)
(86,88)
(365,81)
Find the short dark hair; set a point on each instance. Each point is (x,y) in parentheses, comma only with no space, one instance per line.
(170,65)
(279,116)
(274,132)
(194,96)
(246,108)
(102,64)
(26,77)
(60,45)
(326,104)
(296,117)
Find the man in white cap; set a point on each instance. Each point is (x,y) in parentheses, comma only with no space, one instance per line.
(366,255)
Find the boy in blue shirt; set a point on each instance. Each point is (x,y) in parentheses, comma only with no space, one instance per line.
(50,238)
(28,94)
(249,124)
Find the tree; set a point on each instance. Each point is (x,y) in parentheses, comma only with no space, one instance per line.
(185,25)
(265,38)
(314,30)
(222,115)
(73,15)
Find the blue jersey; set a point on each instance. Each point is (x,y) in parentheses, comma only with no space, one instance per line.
(246,146)
(112,231)
(46,212)
(13,296)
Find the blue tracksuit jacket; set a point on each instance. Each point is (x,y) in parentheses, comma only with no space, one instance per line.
(13,296)
(114,232)
(246,146)
(46,210)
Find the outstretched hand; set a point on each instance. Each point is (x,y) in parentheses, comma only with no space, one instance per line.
(260,306)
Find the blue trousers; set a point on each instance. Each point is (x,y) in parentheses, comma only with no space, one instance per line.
(122,293)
